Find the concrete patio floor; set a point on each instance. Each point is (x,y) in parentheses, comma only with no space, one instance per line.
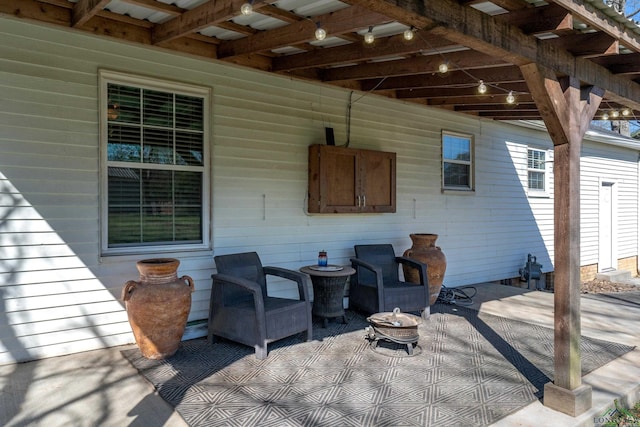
(102,388)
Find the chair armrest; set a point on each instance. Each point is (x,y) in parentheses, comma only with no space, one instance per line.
(303,280)
(377,271)
(356,262)
(421,267)
(245,284)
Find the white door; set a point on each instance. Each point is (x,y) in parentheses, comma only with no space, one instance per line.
(606,259)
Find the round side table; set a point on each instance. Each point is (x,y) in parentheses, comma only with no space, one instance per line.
(328,290)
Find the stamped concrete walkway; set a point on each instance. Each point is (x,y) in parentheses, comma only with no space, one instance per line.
(101,388)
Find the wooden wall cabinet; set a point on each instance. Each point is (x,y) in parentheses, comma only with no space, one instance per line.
(348,180)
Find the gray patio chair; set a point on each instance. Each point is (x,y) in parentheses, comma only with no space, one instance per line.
(376,287)
(240,309)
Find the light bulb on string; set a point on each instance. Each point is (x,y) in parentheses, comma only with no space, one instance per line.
(321,33)
(408,34)
(615,114)
(369,38)
(247,8)
(605,116)
(443,68)
(511,99)
(482,88)
(626,112)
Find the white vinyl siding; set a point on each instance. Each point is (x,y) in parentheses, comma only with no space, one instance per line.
(59,295)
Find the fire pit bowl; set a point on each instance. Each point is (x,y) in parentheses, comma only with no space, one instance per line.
(397,327)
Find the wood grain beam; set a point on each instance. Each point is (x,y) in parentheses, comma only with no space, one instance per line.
(489,76)
(562,112)
(358,52)
(84,10)
(567,110)
(483,100)
(542,19)
(586,45)
(530,107)
(452,92)
(627,65)
(479,31)
(200,17)
(592,16)
(335,23)
(170,9)
(468,60)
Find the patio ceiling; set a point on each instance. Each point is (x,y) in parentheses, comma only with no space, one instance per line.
(479,40)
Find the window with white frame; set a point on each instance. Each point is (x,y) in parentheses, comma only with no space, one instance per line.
(457,161)
(154,165)
(536,170)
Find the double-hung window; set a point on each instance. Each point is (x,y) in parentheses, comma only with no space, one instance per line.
(154,165)
(536,171)
(457,161)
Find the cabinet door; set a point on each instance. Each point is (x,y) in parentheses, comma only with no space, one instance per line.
(333,179)
(378,181)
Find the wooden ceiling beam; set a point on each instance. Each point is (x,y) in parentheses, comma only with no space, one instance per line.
(628,64)
(158,6)
(477,99)
(592,16)
(358,52)
(468,60)
(453,92)
(510,115)
(479,31)
(453,78)
(84,10)
(586,45)
(339,22)
(542,19)
(198,18)
(281,14)
(530,107)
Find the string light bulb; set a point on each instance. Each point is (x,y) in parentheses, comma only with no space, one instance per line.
(482,88)
(443,68)
(511,99)
(247,8)
(408,34)
(615,114)
(626,112)
(605,116)
(369,38)
(321,33)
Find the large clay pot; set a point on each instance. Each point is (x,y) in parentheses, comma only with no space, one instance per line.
(158,306)
(424,249)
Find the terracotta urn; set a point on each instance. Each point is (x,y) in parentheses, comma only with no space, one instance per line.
(158,305)
(424,249)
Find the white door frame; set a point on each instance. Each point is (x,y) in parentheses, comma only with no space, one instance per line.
(607,225)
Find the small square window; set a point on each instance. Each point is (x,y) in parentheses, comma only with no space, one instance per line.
(536,170)
(457,161)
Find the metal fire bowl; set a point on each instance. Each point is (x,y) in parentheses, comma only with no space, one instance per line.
(396,326)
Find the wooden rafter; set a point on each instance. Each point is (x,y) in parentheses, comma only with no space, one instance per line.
(520,34)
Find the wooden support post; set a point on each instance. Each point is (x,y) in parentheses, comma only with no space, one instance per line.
(567,111)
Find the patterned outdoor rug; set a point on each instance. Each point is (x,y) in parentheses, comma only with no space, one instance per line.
(469,369)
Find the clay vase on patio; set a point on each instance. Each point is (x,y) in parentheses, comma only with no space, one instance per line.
(424,249)
(158,306)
